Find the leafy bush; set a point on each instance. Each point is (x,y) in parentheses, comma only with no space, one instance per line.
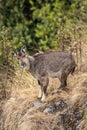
(42,25)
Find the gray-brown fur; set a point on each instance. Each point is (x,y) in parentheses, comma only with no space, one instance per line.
(48,64)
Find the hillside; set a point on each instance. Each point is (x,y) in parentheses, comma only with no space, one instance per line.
(62,110)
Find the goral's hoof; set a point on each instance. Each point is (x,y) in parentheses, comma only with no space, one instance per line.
(38,98)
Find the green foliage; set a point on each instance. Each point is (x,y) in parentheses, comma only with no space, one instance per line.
(42,25)
(6,45)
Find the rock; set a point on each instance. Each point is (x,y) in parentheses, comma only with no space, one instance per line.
(71,119)
(49,109)
(60,104)
(38,104)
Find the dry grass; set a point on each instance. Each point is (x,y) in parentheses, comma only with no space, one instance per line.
(20,114)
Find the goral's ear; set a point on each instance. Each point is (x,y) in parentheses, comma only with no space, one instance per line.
(23,49)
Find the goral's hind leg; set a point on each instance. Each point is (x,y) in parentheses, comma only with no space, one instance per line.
(63,81)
